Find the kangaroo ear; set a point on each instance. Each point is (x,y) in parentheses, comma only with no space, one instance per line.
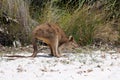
(70,38)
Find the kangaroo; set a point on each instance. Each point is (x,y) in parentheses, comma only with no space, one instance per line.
(53,36)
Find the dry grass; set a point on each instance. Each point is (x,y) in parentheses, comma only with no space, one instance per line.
(107,33)
(86,23)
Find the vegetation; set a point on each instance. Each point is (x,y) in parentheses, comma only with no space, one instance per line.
(89,21)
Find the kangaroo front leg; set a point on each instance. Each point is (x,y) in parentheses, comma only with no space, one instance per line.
(51,51)
(57,54)
(55,51)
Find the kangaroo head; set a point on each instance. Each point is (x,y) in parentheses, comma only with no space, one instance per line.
(72,43)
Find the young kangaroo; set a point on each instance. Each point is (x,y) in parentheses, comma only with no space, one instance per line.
(53,36)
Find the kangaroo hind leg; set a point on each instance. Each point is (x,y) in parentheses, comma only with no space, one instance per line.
(34,42)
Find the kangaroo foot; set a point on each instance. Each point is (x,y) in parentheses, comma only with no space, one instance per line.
(33,55)
(51,54)
(58,55)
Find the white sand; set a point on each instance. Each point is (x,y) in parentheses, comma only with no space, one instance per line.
(78,66)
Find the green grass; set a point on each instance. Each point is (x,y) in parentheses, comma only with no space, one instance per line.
(84,22)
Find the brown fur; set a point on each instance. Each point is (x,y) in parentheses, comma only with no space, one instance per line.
(52,35)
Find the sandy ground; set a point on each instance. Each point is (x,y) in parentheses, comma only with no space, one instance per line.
(95,65)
